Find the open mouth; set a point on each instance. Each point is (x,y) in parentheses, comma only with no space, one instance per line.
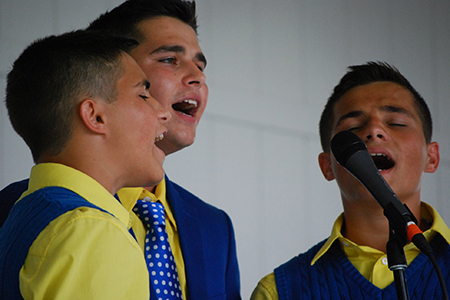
(159,137)
(187,107)
(382,161)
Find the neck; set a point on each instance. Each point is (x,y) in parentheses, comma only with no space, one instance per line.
(93,161)
(151,189)
(366,225)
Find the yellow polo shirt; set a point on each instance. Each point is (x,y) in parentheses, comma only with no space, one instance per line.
(130,195)
(84,253)
(371,263)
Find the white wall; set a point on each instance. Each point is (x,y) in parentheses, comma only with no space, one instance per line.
(271,67)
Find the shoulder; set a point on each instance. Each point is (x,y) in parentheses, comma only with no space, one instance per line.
(189,210)
(303,259)
(55,211)
(176,192)
(266,289)
(15,188)
(56,214)
(9,195)
(85,225)
(85,248)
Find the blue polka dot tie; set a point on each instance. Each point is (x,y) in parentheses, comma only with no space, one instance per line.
(162,270)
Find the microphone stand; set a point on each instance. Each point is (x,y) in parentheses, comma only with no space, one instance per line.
(397,262)
(398,216)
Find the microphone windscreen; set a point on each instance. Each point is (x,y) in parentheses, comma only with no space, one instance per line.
(344,144)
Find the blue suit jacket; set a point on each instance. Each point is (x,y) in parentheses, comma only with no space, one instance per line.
(206,239)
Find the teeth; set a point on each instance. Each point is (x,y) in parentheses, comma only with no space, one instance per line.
(377,154)
(190,101)
(159,137)
(382,161)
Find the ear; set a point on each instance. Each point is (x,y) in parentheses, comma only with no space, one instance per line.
(433,157)
(325,166)
(92,114)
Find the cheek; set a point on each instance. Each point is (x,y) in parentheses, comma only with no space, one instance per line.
(413,152)
(204,96)
(162,89)
(342,176)
(205,93)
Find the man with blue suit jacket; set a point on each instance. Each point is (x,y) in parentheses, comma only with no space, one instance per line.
(201,236)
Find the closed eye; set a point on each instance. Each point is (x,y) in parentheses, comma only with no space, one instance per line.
(201,65)
(354,128)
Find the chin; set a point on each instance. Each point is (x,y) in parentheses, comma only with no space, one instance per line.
(154,181)
(169,147)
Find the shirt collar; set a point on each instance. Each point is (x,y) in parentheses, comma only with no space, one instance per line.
(129,196)
(427,212)
(53,174)
(335,234)
(438,225)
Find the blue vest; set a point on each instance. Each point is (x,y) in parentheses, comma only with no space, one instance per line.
(334,277)
(26,220)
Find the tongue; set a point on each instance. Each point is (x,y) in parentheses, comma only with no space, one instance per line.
(183,107)
(382,162)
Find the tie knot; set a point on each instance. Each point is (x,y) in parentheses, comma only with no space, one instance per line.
(150,213)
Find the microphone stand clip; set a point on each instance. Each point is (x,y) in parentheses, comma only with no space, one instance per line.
(394,248)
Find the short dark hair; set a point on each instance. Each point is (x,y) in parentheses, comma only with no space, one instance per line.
(365,74)
(124,19)
(49,79)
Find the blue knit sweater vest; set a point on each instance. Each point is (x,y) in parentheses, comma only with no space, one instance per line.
(26,220)
(334,277)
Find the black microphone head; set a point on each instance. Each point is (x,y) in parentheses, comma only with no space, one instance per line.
(344,144)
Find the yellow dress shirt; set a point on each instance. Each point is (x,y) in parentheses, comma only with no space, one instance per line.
(371,263)
(84,253)
(130,195)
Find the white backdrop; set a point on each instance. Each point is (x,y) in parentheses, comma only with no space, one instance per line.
(271,67)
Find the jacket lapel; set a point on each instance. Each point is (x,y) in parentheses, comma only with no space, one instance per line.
(191,243)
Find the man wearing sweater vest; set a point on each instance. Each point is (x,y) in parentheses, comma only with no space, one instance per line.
(83,107)
(380,106)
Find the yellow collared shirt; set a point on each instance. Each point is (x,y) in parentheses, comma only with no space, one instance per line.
(130,195)
(371,263)
(84,253)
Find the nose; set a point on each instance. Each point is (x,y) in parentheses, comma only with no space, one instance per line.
(194,76)
(375,130)
(162,113)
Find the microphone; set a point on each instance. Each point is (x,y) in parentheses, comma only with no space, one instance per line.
(351,153)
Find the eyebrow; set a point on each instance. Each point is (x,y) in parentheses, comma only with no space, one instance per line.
(179,49)
(399,110)
(350,115)
(386,108)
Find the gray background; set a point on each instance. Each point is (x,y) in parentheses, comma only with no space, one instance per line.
(271,67)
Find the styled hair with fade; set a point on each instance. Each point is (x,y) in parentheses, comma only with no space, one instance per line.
(364,74)
(52,76)
(124,19)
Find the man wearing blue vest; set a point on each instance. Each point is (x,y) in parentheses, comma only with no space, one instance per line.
(82,105)
(201,236)
(379,105)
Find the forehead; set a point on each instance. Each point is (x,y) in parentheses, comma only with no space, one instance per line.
(131,75)
(374,97)
(167,30)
